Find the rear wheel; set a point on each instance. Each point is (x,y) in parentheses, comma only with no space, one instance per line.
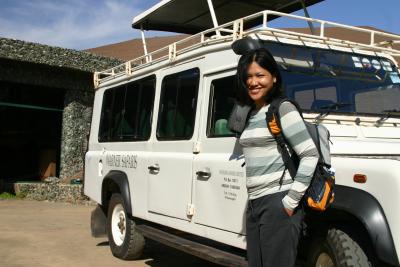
(337,249)
(125,242)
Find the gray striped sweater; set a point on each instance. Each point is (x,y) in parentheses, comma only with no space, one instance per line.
(264,164)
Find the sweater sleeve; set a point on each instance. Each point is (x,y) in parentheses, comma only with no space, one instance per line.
(296,134)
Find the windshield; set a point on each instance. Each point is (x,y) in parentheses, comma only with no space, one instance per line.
(328,80)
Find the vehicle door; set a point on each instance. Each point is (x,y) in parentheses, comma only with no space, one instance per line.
(124,130)
(220,194)
(171,163)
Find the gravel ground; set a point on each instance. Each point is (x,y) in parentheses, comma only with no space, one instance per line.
(35,233)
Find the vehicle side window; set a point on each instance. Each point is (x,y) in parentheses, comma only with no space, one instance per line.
(111,115)
(106,115)
(222,98)
(126,112)
(178,105)
(138,109)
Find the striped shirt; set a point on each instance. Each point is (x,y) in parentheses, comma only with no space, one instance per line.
(264,163)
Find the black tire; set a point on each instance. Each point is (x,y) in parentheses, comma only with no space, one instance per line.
(125,242)
(337,249)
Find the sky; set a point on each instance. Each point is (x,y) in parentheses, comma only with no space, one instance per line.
(82,24)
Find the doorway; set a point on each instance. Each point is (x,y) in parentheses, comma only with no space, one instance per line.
(30,132)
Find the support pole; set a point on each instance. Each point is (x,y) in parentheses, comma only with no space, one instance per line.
(310,24)
(213,16)
(144,43)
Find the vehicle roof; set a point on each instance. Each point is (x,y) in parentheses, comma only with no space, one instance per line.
(193,16)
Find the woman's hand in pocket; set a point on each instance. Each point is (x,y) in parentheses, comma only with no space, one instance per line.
(289,212)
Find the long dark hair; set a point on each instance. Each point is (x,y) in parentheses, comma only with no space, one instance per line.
(263,58)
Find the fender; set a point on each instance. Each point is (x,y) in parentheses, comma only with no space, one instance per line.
(367,209)
(121,180)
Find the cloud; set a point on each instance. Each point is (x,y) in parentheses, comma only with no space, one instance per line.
(71,24)
(84,24)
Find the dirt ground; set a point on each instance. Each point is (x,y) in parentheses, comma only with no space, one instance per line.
(34,233)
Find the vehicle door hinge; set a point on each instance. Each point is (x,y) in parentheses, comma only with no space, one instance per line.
(190,209)
(196,147)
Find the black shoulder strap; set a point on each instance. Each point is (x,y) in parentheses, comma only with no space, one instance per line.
(283,146)
(274,109)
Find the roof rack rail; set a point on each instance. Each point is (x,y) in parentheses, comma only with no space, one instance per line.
(234,30)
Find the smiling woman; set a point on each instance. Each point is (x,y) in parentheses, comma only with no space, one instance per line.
(274,214)
(259,78)
(259,83)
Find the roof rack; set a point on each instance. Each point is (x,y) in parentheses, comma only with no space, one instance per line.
(235,30)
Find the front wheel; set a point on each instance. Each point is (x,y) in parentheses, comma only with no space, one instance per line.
(337,249)
(125,242)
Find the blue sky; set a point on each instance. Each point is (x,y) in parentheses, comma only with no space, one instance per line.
(81,24)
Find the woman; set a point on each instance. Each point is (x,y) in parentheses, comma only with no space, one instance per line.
(274,212)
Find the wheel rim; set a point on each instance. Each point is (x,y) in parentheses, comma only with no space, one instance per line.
(324,260)
(118,224)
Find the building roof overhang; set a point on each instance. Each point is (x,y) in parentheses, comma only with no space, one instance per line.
(193,16)
(18,50)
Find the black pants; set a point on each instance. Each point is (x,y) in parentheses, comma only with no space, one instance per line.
(272,236)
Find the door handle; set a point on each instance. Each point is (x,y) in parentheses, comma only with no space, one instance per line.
(154,168)
(204,174)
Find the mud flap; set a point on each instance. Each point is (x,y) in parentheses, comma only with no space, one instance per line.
(98,221)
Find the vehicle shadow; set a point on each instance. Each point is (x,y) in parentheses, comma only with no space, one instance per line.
(158,255)
(103,244)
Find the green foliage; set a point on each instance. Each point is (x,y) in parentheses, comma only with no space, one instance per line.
(6,195)
(20,195)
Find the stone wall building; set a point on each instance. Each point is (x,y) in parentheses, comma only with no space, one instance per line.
(46,98)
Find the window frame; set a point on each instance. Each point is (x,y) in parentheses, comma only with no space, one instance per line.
(210,113)
(125,86)
(160,111)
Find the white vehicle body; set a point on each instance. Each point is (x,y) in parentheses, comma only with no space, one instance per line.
(212,203)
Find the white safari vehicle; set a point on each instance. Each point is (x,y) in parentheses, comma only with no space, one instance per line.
(162,164)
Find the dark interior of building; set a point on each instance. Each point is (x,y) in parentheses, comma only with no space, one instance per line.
(30,131)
